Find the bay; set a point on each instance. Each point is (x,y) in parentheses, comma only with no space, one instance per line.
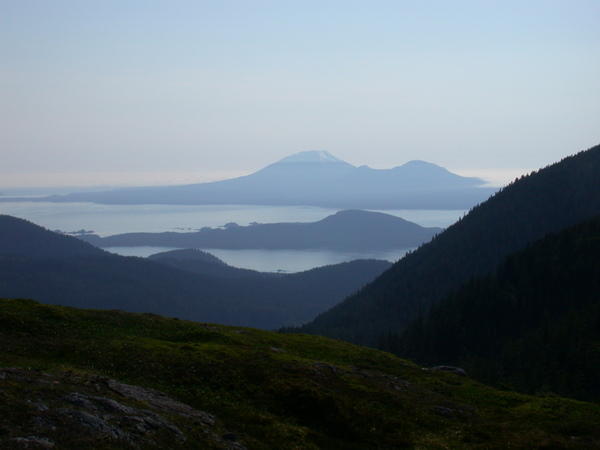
(273,260)
(107,220)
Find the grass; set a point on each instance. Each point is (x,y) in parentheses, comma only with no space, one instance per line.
(291,391)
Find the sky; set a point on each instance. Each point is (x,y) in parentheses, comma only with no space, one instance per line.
(125,92)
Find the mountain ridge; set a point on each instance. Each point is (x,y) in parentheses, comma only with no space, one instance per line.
(55,270)
(532,324)
(557,196)
(347,230)
(321,180)
(312,156)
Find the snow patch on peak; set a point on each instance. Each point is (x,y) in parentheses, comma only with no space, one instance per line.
(419,163)
(318,156)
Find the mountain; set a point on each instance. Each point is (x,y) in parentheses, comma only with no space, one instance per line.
(198,261)
(204,263)
(107,379)
(349,230)
(533,324)
(311,178)
(558,196)
(21,238)
(59,269)
(300,296)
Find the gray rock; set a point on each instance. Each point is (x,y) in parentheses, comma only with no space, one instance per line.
(80,411)
(94,403)
(38,405)
(452,369)
(455,411)
(41,407)
(80,400)
(143,421)
(42,422)
(325,367)
(112,406)
(155,422)
(443,411)
(230,437)
(32,442)
(92,422)
(159,400)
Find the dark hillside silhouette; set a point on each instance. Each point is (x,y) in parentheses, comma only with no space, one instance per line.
(546,201)
(350,230)
(533,324)
(58,269)
(22,238)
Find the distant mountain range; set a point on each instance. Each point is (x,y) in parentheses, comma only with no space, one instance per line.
(59,269)
(555,197)
(312,178)
(349,230)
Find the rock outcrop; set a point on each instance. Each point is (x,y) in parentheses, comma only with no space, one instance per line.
(64,409)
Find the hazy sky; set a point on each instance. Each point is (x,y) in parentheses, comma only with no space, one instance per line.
(130,92)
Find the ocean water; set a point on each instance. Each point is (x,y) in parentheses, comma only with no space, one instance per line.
(114,219)
(274,260)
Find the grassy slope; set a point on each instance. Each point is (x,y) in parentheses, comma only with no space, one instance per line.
(291,391)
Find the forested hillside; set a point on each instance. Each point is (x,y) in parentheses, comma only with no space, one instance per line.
(349,230)
(58,269)
(558,196)
(532,325)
